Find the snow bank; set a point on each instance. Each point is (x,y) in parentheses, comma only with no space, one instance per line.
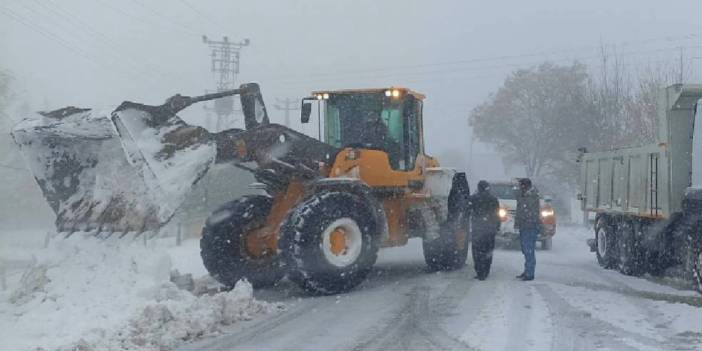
(90,295)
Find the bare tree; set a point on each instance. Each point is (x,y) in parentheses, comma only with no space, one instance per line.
(626,100)
(537,116)
(610,92)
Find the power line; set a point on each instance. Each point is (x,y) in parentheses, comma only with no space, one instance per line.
(204,15)
(104,38)
(508,57)
(171,20)
(453,71)
(143,20)
(286,105)
(11,167)
(80,26)
(50,36)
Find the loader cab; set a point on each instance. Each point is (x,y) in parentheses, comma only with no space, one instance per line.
(383,119)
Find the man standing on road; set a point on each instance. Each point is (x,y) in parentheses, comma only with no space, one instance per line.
(528,221)
(485,223)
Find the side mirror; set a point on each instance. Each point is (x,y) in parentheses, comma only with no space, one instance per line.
(305,112)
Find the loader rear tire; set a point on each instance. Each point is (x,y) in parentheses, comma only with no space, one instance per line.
(450,250)
(330,242)
(547,244)
(223,245)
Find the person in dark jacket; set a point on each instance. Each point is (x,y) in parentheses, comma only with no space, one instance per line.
(485,223)
(528,221)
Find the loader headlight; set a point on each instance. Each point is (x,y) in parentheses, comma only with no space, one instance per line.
(322,96)
(547,213)
(502,213)
(395,93)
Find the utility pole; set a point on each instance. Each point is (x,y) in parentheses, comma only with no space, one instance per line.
(225,57)
(286,105)
(225,68)
(682,67)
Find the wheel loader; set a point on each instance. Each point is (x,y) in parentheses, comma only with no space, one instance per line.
(327,205)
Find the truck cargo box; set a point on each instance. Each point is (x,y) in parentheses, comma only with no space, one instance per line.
(651,180)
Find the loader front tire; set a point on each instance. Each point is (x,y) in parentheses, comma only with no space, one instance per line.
(223,244)
(330,242)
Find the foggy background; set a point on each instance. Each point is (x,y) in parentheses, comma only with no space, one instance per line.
(99,53)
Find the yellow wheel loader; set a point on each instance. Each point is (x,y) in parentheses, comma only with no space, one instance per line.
(329,204)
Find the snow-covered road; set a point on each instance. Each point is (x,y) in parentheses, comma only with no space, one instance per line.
(572,305)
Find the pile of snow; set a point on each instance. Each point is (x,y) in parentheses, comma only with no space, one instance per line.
(86,294)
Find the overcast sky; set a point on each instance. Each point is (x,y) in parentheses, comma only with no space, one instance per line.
(100,52)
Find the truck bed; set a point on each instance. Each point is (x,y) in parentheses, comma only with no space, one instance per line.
(651,180)
(630,181)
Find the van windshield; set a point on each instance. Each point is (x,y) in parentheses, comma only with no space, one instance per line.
(504,191)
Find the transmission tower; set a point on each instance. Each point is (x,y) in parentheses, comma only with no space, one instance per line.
(225,57)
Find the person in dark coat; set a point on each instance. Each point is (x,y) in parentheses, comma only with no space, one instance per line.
(376,135)
(528,222)
(485,223)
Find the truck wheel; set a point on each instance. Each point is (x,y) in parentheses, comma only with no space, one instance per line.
(450,250)
(630,262)
(223,244)
(330,242)
(605,241)
(547,244)
(697,270)
(693,260)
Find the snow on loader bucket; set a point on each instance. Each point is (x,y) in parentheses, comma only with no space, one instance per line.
(124,171)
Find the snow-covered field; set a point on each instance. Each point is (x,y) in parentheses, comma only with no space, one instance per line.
(88,294)
(115,295)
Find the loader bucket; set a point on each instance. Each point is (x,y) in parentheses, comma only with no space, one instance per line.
(169,157)
(80,166)
(125,177)
(128,170)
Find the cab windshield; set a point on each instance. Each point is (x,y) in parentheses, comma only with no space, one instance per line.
(372,121)
(365,120)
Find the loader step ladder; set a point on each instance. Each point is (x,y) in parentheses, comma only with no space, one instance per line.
(653,198)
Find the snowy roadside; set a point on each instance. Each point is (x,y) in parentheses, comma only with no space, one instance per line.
(88,294)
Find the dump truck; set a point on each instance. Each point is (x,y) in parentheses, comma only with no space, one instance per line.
(647,200)
(327,206)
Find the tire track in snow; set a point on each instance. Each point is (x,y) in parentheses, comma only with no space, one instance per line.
(578,330)
(415,326)
(261,328)
(532,328)
(640,300)
(619,287)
